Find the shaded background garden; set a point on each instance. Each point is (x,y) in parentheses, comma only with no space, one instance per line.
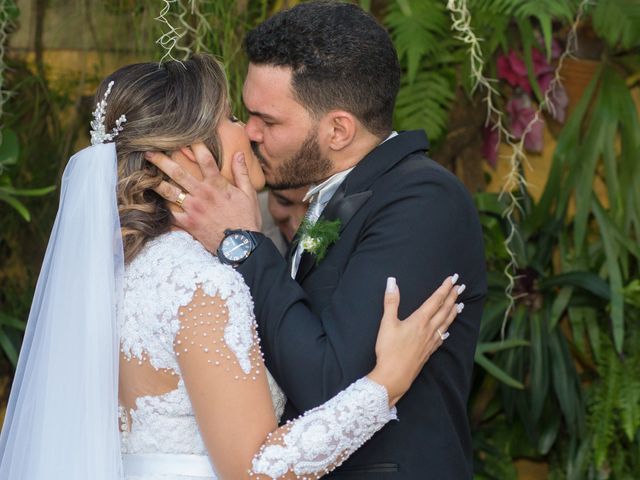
(532,103)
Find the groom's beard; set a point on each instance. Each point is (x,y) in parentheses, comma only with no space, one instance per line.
(305,167)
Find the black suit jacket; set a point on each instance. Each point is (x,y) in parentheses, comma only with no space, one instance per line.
(405,216)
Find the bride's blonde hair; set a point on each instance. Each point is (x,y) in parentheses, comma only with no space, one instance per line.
(167,106)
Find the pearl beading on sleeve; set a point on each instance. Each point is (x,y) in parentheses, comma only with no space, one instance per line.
(323,438)
(174,267)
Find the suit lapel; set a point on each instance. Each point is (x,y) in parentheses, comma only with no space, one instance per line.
(344,208)
(354,193)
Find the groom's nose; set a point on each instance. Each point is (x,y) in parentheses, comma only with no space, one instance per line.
(253,129)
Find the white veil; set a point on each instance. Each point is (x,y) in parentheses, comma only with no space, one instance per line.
(62,417)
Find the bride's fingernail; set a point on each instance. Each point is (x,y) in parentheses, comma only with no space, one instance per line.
(391,285)
(461,288)
(240,157)
(460,307)
(454,279)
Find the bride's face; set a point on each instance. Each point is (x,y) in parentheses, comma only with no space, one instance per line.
(232,139)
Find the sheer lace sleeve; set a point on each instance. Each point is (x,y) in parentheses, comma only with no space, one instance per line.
(323,438)
(219,356)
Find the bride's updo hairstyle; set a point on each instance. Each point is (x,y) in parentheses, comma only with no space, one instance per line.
(167,106)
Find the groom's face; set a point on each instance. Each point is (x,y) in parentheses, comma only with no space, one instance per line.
(283,134)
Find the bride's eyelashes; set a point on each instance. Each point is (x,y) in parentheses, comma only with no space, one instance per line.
(233,118)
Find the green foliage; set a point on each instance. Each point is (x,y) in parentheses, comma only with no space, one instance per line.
(217,27)
(614,408)
(420,31)
(618,22)
(560,381)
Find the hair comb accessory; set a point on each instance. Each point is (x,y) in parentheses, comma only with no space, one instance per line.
(98,132)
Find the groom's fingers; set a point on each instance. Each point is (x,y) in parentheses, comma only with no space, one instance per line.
(241,175)
(208,166)
(171,193)
(174,171)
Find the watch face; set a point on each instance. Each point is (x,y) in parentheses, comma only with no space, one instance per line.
(236,247)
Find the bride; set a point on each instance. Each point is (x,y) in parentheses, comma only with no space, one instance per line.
(141,358)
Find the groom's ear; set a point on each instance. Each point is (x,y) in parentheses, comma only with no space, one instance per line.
(342,127)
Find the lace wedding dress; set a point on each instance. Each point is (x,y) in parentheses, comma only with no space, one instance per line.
(176,297)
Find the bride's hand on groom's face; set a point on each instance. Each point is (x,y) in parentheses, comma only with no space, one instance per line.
(403,347)
(213,204)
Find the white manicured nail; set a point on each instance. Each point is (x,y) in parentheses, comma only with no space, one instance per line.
(391,285)
(461,288)
(460,307)
(454,279)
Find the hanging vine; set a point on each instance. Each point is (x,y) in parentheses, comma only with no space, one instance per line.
(515,182)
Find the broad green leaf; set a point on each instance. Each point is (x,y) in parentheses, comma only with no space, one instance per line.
(565,148)
(615,278)
(12,322)
(492,347)
(497,372)
(593,331)
(20,208)
(539,385)
(31,192)
(588,281)
(8,348)
(559,305)
(526,34)
(549,427)
(9,148)
(490,203)
(623,239)
(576,316)
(588,154)
(563,377)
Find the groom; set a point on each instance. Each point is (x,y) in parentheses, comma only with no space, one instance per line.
(320,92)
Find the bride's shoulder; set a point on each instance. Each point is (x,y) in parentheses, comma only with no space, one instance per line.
(177,264)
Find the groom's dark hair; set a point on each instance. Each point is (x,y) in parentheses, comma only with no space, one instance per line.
(341,58)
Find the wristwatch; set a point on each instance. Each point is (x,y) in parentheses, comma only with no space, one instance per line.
(236,246)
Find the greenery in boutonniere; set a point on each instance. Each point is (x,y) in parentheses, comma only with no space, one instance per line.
(317,237)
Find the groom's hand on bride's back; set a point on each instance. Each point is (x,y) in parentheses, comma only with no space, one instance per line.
(212,204)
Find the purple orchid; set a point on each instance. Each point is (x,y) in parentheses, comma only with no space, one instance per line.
(521,112)
(520,109)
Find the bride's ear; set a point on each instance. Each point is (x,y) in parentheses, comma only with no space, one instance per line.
(187,152)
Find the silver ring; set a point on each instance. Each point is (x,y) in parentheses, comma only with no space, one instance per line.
(180,199)
(443,336)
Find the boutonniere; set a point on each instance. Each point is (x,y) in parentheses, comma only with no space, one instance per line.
(317,237)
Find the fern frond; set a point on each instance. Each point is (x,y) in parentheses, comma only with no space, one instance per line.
(604,399)
(425,102)
(496,7)
(629,402)
(564,10)
(417,28)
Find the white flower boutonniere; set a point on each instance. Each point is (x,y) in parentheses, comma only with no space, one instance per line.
(316,238)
